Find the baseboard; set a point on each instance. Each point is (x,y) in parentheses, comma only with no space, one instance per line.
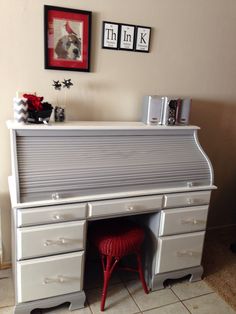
(5,266)
(5,273)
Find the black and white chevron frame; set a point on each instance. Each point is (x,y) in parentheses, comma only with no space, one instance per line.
(20,110)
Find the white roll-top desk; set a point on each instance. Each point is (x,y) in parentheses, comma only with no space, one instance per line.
(66,174)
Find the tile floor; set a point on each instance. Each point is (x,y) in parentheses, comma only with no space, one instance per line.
(125,296)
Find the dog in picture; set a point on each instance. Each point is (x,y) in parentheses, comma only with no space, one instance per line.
(68,47)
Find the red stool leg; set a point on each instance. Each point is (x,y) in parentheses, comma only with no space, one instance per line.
(140,271)
(107,271)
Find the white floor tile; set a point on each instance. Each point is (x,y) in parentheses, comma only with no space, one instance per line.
(7,310)
(151,300)
(208,304)
(118,301)
(6,292)
(187,290)
(176,308)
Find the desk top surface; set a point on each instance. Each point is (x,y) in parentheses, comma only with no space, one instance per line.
(95,125)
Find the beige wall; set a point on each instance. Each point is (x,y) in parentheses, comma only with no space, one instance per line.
(192,54)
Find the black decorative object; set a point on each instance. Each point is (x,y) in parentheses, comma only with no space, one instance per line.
(42,116)
(39,116)
(38,111)
(67,83)
(59,111)
(56,85)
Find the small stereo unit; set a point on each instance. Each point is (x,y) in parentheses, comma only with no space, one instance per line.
(165,110)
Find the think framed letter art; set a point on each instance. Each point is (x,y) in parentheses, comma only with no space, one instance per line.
(67,39)
(110,35)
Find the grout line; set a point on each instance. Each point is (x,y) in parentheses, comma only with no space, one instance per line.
(197,296)
(86,302)
(175,293)
(162,306)
(153,308)
(124,287)
(186,307)
(191,297)
(132,297)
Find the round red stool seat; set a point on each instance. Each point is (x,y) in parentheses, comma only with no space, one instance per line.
(115,239)
(118,239)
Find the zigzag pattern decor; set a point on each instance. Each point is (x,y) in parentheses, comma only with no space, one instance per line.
(20,110)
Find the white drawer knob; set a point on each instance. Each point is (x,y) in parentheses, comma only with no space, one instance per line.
(57,217)
(190,201)
(55,196)
(130,208)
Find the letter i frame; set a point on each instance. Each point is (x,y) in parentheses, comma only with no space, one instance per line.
(110,35)
(127,37)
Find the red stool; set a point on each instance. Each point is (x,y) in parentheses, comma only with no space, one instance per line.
(114,240)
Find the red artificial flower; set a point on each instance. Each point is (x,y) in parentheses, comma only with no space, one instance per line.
(34,102)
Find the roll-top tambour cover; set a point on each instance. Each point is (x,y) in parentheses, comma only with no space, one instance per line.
(64,163)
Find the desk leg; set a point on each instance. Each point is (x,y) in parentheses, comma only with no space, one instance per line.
(159,279)
(76,301)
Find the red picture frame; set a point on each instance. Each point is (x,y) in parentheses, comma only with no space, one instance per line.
(67,38)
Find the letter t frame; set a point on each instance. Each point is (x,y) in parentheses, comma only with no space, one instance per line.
(110,35)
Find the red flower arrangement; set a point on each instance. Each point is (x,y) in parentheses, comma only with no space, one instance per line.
(34,102)
(39,111)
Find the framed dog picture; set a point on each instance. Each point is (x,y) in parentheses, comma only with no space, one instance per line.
(67,39)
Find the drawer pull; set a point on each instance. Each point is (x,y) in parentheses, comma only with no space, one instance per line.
(58,279)
(188,253)
(55,196)
(193,221)
(58,217)
(60,241)
(130,208)
(194,201)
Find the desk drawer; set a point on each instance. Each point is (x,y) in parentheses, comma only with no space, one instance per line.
(187,199)
(180,251)
(50,214)
(49,276)
(50,239)
(182,220)
(127,206)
